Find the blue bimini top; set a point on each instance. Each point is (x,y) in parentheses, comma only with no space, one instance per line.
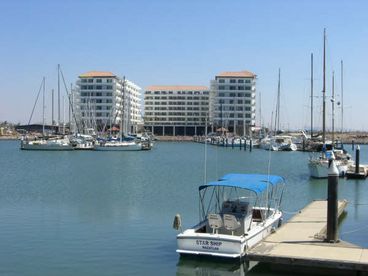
(256,183)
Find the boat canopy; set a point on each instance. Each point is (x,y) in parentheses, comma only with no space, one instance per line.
(256,183)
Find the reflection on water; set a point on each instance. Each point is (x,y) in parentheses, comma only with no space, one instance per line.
(205,266)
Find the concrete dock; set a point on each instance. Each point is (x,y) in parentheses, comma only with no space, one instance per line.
(300,242)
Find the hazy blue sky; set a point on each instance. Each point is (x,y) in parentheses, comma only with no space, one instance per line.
(187,42)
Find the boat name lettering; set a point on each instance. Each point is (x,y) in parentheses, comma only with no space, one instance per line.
(212,245)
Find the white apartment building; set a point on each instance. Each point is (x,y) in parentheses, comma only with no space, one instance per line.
(233,101)
(176,110)
(102,100)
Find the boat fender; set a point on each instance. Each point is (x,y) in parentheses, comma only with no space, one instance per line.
(177,222)
(279,223)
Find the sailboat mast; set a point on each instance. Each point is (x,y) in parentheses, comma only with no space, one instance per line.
(58,97)
(311,131)
(342,96)
(277,115)
(333,107)
(324,89)
(123,111)
(43,108)
(52,108)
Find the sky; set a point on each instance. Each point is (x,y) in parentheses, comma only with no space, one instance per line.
(188,42)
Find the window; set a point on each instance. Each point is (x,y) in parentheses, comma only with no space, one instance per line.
(98,87)
(221,87)
(240,101)
(109,80)
(240,87)
(240,81)
(84,87)
(90,87)
(98,80)
(84,80)
(247,81)
(232,81)
(221,81)
(90,80)
(247,88)
(232,87)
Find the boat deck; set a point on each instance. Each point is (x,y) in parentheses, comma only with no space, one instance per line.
(300,242)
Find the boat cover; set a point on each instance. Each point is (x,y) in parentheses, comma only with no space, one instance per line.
(256,183)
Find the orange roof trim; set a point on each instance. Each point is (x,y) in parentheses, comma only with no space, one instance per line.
(240,74)
(176,88)
(93,74)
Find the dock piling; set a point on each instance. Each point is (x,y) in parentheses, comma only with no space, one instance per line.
(332,208)
(250,145)
(357,159)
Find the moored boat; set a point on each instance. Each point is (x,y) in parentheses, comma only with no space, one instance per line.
(236,213)
(54,144)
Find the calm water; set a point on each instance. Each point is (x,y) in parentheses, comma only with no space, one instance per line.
(111,213)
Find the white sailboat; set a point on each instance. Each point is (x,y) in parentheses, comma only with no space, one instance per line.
(123,143)
(45,142)
(319,167)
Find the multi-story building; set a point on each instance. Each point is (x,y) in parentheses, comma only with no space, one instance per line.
(233,101)
(176,110)
(101,100)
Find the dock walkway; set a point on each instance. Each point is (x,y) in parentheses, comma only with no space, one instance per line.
(300,242)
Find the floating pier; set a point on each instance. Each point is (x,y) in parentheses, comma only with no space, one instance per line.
(301,242)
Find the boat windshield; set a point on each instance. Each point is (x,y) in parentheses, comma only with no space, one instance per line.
(239,193)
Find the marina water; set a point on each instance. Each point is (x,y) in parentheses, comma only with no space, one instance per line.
(111,213)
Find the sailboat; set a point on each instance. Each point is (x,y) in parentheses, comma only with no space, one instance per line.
(123,143)
(278,142)
(45,142)
(319,167)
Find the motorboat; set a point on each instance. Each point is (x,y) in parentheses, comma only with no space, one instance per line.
(83,142)
(278,143)
(236,212)
(114,145)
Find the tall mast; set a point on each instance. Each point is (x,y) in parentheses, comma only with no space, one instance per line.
(58,97)
(70,107)
(311,131)
(277,116)
(342,96)
(52,108)
(324,89)
(122,114)
(43,108)
(333,107)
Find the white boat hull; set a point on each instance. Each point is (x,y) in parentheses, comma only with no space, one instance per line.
(225,245)
(45,146)
(320,169)
(119,147)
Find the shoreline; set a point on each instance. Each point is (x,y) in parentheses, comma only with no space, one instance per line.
(348,138)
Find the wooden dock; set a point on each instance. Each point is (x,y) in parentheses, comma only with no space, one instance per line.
(300,242)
